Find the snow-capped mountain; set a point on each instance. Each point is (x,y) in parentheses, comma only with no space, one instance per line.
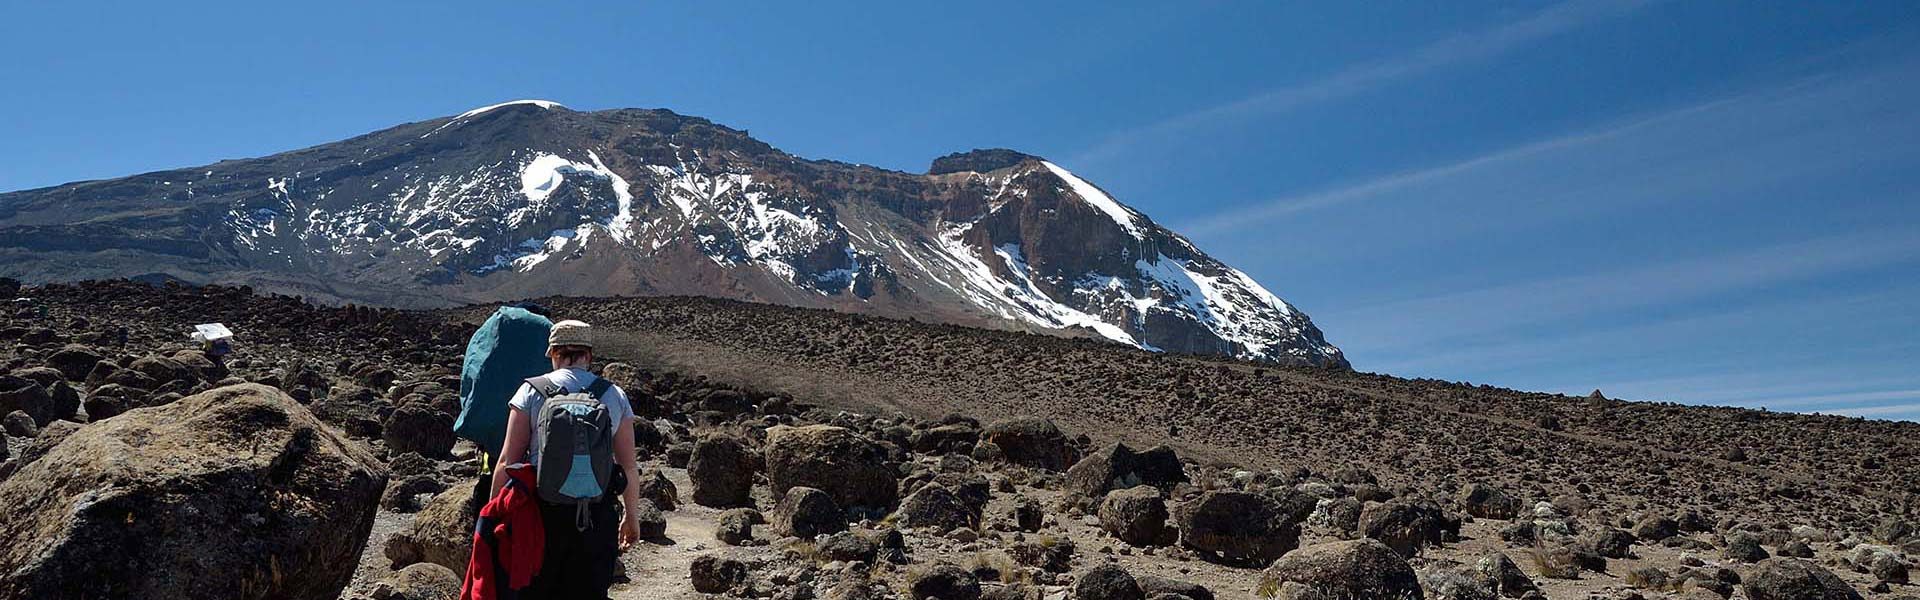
(530,198)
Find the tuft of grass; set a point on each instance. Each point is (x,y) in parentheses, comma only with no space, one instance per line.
(1556,563)
(998,562)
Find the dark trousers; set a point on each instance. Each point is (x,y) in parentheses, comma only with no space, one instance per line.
(579,565)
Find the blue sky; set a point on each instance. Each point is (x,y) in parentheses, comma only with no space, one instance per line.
(1698,201)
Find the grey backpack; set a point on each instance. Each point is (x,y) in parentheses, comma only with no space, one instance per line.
(574,432)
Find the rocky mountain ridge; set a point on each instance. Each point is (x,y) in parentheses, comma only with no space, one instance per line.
(530,198)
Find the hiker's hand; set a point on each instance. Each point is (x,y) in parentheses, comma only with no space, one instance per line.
(629,532)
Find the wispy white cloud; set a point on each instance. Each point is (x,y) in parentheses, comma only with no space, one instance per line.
(1442,319)
(1908,411)
(1746,140)
(1265,212)
(1461,48)
(1770,354)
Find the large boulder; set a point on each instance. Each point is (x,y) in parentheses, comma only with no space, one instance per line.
(943,439)
(237,492)
(713,574)
(936,507)
(1795,579)
(1362,568)
(1883,563)
(1106,581)
(1656,528)
(418,428)
(38,401)
(74,361)
(806,512)
(943,581)
(1155,587)
(1405,526)
(1136,515)
(1238,527)
(165,370)
(1487,502)
(1032,442)
(1502,576)
(421,581)
(19,424)
(441,534)
(1118,467)
(835,460)
(721,471)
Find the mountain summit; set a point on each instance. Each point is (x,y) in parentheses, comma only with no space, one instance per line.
(530,198)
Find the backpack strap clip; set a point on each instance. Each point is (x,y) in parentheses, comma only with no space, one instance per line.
(547,388)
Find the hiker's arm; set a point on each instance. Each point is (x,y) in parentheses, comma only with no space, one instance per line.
(519,429)
(623,452)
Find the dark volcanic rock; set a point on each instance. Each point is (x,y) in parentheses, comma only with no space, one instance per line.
(1502,576)
(441,534)
(1239,527)
(1486,502)
(943,581)
(934,506)
(30,397)
(713,574)
(832,459)
(418,428)
(806,512)
(1135,515)
(237,492)
(1106,582)
(736,525)
(656,487)
(978,161)
(19,424)
(1794,579)
(74,361)
(1405,527)
(1032,442)
(1119,467)
(1155,587)
(721,471)
(420,581)
(1362,568)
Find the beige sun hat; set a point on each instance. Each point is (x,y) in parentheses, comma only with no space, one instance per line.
(570,333)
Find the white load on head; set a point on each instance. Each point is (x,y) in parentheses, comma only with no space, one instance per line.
(214,338)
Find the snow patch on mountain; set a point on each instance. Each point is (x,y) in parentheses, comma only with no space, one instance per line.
(1120,214)
(1018,299)
(545,104)
(546,172)
(736,221)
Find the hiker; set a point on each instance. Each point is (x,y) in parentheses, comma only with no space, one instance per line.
(556,424)
(214,339)
(506,350)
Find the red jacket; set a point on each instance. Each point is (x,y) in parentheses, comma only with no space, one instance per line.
(508,540)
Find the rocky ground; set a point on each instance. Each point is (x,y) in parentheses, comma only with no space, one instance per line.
(796,454)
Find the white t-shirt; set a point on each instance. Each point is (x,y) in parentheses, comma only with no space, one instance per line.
(573,379)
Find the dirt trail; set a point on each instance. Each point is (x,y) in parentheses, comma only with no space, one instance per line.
(658,569)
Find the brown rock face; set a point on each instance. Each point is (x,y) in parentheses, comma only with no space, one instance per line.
(442,533)
(1238,527)
(238,492)
(832,459)
(1362,568)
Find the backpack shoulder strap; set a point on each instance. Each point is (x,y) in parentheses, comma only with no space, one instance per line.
(545,387)
(599,387)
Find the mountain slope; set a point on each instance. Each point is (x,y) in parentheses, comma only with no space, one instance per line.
(530,198)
